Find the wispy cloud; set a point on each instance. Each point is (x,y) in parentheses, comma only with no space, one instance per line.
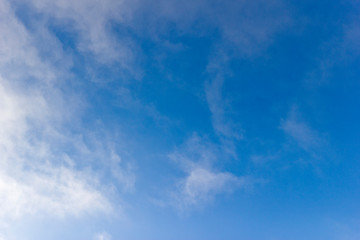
(222,123)
(351,31)
(33,177)
(19,58)
(202,181)
(102,236)
(90,19)
(259,159)
(340,49)
(306,137)
(243,35)
(46,168)
(201,185)
(344,230)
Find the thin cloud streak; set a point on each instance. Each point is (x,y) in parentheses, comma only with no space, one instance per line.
(305,137)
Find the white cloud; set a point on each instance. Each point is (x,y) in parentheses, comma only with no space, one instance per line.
(19,58)
(45,168)
(306,137)
(32,180)
(247,28)
(338,50)
(91,20)
(222,122)
(202,182)
(102,236)
(245,25)
(58,191)
(202,185)
(351,32)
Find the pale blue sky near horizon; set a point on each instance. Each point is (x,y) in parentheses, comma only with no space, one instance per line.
(168,119)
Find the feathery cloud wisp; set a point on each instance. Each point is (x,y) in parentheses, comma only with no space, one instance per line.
(202,183)
(305,137)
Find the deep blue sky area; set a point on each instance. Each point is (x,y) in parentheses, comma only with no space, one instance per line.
(168,119)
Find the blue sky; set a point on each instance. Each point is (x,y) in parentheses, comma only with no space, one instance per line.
(179,120)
